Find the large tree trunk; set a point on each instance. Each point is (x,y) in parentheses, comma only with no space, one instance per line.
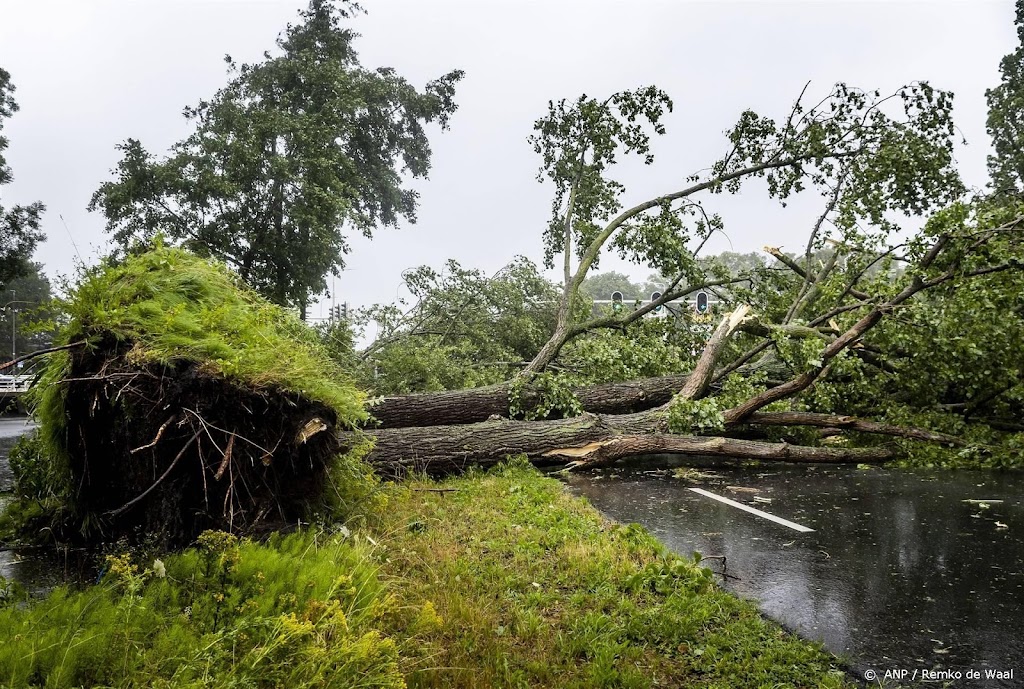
(594,440)
(479,404)
(584,441)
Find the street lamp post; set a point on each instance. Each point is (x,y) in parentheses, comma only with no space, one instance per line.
(14,322)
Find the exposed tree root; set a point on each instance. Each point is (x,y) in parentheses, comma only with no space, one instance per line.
(172,450)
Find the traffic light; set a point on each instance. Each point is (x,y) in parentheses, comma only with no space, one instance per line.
(616,301)
(655,296)
(341,311)
(702,302)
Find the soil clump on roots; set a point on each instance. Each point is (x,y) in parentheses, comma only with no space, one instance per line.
(174,450)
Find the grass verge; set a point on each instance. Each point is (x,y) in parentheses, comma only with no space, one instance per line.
(490,580)
(536,589)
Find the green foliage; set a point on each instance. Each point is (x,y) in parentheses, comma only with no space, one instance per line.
(949,359)
(577,143)
(876,154)
(19,226)
(464,329)
(887,158)
(352,490)
(552,392)
(34,319)
(695,416)
(292,150)
(31,469)
(40,493)
(799,354)
(299,611)
(670,573)
(738,388)
(24,520)
(647,348)
(1006,118)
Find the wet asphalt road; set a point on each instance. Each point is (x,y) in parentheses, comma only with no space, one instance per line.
(899,572)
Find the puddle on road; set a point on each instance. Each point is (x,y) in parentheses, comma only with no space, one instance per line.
(899,571)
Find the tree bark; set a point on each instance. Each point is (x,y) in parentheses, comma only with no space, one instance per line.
(583,442)
(700,379)
(478,404)
(852,423)
(594,440)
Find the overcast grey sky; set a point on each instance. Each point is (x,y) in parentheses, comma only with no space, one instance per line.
(90,74)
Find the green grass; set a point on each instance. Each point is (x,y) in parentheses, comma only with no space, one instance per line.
(172,305)
(491,580)
(300,611)
(536,589)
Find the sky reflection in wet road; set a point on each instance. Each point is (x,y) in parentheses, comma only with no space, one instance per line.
(899,572)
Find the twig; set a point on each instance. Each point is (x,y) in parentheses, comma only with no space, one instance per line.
(40,352)
(725,564)
(156,483)
(227,459)
(159,433)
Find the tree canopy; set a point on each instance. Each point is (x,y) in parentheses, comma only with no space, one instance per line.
(1006,118)
(19,225)
(866,154)
(292,156)
(877,329)
(34,313)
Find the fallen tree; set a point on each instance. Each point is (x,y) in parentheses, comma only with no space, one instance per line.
(595,439)
(451,407)
(586,441)
(815,316)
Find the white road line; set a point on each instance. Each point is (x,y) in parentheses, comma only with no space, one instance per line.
(759,513)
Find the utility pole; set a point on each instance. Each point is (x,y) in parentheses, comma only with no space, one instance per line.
(14,321)
(14,325)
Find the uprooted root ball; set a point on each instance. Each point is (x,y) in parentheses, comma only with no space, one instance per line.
(186,402)
(174,450)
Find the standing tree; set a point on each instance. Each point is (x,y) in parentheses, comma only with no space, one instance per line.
(291,152)
(1006,118)
(30,318)
(465,329)
(19,226)
(602,285)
